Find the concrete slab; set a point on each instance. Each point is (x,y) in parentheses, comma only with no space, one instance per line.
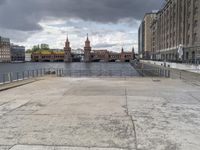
(101,113)
(31,147)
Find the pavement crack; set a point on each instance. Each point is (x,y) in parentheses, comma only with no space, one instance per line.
(132,120)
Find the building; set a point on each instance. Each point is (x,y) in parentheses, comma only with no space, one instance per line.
(87,50)
(5,49)
(176,32)
(141,40)
(104,55)
(67,50)
(86,55)
(17,53)
(46,56)
(145,35)
(27,57)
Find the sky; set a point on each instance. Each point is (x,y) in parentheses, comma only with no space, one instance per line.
(111,24)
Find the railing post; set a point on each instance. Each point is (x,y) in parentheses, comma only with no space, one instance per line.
(36,73)
(17,76)
(142,72)
(23,75)
(4,79)
(28,74)
(40,72)
(169,73)
(33,73)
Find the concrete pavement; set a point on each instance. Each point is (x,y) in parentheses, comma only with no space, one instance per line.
(101,113)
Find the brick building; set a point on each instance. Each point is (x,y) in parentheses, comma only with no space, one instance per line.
(89,55)
(67,50)
(46,56)
(105,55)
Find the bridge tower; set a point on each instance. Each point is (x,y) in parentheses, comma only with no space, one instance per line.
(67,50)
(87,50)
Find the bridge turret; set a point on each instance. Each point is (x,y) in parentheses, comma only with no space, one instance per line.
(67,50)
(87,50)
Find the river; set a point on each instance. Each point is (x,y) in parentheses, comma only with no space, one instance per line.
(114,69)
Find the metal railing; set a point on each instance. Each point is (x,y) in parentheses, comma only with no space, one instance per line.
(113,73)
(147,71)
(10,77)
(166,71)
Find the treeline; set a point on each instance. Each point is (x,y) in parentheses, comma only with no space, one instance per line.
(39,47)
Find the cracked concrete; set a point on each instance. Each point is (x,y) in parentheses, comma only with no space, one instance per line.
(101,113)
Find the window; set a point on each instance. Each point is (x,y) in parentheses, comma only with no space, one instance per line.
(188,14)
(188,26)
(195,10)
(188,39)
(189,3)
(195,37)
(195,23)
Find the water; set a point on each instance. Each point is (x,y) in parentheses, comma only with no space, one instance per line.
(74,69)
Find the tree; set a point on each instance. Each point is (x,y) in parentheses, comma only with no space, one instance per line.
(35,48)
(44,46)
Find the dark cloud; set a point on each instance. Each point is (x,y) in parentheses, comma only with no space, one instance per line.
(2,2)
(24,15)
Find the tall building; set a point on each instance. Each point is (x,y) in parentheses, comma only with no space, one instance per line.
(176,32)
(5,49)
(87,50)
(17,53)
(67,50)
(145,35)
(141,40)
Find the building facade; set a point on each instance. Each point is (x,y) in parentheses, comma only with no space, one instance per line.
(145,35)
(141,40)
(86,55)
(48,57)
(87,50)
(104,55)
(67,50)
(17,53)
(5,55)
(176,32)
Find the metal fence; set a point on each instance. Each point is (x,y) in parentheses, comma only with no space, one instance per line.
(165,71)
(145,71)
(24,75)
(113,73)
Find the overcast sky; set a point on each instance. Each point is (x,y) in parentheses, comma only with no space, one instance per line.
(110,24)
